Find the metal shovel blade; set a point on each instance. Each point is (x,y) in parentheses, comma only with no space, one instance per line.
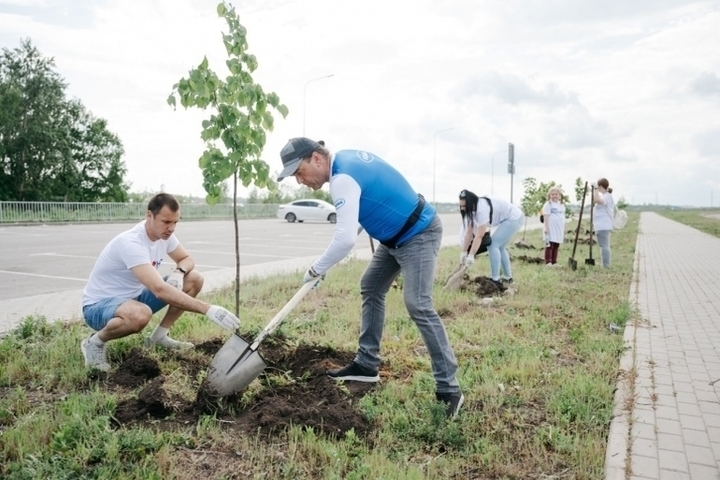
(238,363)
(225,380)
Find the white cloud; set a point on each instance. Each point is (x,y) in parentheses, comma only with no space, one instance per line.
(623,90)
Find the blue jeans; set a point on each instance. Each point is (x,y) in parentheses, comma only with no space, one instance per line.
(603,238)
(98,314)
(497,251)
(416,259)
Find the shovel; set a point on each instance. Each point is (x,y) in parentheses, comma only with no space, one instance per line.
(238,363)
(591,261)
(455,278)
(572,262)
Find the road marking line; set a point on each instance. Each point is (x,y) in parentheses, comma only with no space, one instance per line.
(44,276)
(242,254)
(24,233)
(53,254)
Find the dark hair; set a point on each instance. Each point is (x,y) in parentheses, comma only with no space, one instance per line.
(471,203)
(321,150)
(157,202)
(605,184)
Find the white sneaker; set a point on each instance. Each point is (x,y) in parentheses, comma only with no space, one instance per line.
(94,355)
(169,343)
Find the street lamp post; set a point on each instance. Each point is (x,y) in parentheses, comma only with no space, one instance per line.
(305,95)
(434,155)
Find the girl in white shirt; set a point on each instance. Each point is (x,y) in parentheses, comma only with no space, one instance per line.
(553,224)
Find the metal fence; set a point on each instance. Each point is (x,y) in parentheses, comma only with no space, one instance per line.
(51,212)
(58,212)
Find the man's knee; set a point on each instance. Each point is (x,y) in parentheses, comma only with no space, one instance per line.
(193,283)
(135,316)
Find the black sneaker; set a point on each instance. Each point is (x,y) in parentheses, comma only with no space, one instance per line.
(354,372)
(453,400)
(509,281)
(498,284)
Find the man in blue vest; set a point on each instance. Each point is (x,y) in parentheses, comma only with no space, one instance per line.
(369,192)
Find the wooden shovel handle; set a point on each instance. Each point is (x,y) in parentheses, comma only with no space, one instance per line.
(275,322)
(577,231)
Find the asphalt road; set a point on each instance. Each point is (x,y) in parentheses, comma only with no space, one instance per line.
(42,259)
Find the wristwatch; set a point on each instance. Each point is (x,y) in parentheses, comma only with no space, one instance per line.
(181,269)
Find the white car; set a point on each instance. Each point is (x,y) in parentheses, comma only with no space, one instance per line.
(309,209)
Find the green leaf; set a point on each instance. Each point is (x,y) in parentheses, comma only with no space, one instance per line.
(171,100)
(212,199)
(221,10)
(236,157)
(268,121)
(283,110)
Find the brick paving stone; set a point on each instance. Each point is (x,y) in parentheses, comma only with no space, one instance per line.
(677,293)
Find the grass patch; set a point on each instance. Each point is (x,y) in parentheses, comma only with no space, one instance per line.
(704,219)
(538,370)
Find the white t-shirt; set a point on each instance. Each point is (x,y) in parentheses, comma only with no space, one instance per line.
(603,214)
(112,276)
(502,210)
(554,218)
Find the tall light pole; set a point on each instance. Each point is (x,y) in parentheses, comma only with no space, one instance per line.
(492,171)
(434,155)
(305,95)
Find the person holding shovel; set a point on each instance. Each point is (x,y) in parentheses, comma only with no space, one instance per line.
(603,213)
(125,288)
(369,192)
(479,214)
(553,224)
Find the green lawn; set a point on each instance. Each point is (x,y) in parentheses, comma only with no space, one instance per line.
(538,370)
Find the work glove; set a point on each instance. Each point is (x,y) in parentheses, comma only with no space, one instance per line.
(175,279)
(463,256)
(222,318)
(312,276)
(469,261)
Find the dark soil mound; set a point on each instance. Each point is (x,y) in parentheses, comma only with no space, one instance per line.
(536,260)
(135,370)
(306,396)
(482,286)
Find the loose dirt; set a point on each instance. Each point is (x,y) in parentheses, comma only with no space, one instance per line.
(297,392)
(481,286)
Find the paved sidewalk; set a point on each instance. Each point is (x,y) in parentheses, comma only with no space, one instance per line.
(674,430)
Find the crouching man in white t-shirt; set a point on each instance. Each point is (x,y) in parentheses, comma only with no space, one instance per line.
(125,288)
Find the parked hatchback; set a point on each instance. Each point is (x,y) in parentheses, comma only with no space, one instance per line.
(309,209)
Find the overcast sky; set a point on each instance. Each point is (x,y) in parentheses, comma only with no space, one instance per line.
(627,90)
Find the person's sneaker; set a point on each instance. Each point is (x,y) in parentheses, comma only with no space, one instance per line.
(354,372)
(169,343)
(453,400)
(94,355)
(498,284)
(508,281)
